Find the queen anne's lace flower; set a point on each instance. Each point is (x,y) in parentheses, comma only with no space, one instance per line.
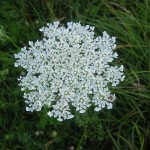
(66,67)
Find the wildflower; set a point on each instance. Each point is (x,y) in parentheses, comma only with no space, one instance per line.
(67,66)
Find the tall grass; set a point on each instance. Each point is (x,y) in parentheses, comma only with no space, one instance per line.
(124,127)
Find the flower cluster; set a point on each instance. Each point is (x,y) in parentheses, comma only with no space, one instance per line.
(67,66)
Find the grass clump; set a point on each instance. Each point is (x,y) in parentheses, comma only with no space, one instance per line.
(126,126)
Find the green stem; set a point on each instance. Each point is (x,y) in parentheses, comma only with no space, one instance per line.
(8,38)
(81,140)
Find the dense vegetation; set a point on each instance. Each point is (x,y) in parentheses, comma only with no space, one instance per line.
(124,127)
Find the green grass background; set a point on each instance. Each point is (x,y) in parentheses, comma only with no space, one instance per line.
(126,126)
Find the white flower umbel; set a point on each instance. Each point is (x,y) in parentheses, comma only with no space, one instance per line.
(67,66)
